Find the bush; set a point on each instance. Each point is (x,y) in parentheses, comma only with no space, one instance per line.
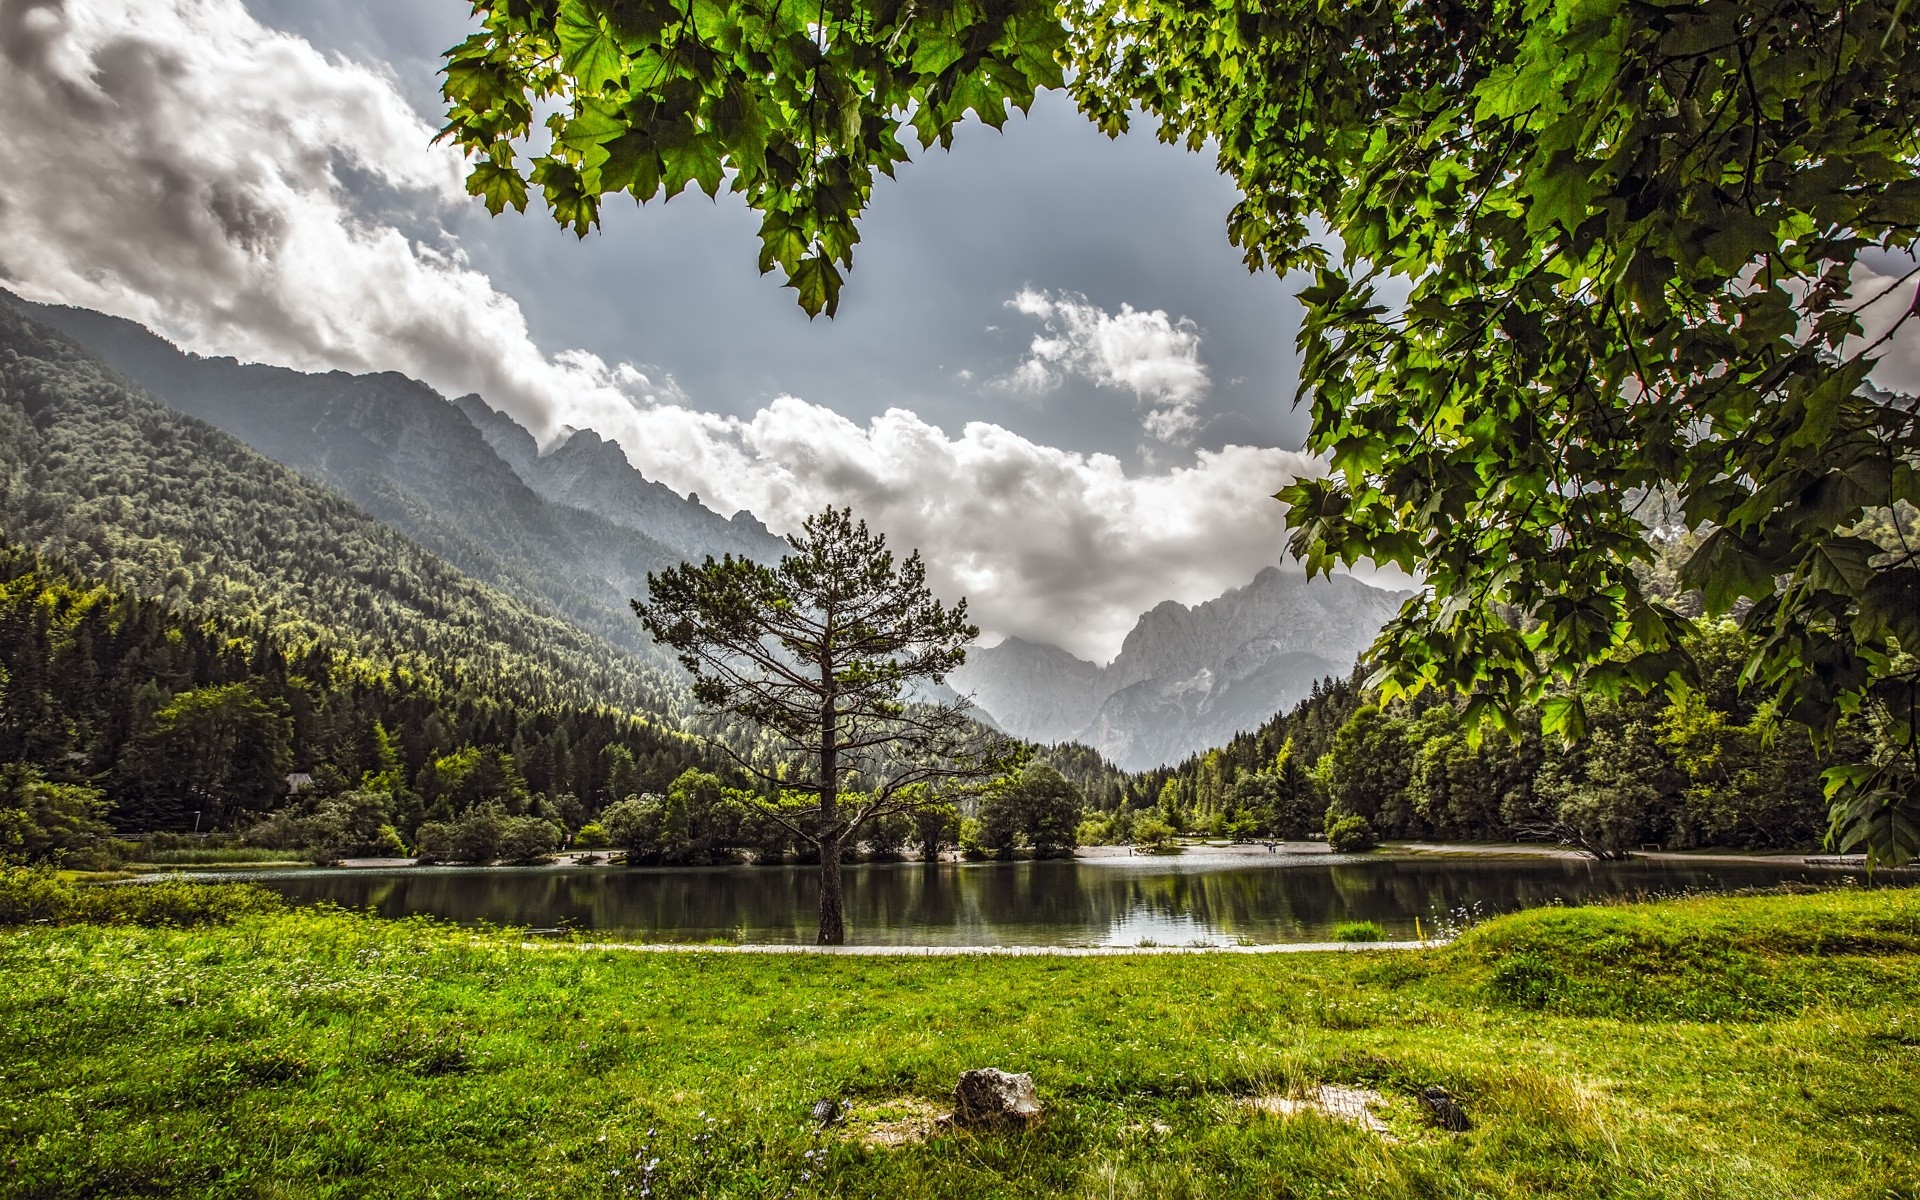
(1151,835)
(213,856)
(487,834)
(1359,931)
(1351,834)
(591,836)
(56,823)
(29,897)
(695,823)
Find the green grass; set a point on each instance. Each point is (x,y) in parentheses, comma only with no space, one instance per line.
(1755,1047)
(227,856)
(1359,931)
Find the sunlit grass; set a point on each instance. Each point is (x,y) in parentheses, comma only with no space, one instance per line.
(1760,1047)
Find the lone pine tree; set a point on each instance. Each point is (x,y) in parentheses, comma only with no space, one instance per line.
(819,651)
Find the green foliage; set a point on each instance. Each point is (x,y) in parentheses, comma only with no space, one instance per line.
(1349,833)
(1713,766)
(488,834)
(591,836)
(936,826)
(1359,931)
(794,109)
(38,897)
(695,822)
(357,824)
(223,750)
(50,823)
(1565,257)
(1153,835)
(1039,808)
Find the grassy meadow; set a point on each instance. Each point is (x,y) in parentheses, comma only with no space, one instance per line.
(200,1040)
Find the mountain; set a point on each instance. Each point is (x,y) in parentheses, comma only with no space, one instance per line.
(586,471)
(1186,678)
(576,531)
(168,507)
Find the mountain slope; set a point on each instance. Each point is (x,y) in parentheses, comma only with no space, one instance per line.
(587,472)
(125,488)
(419,462)
(1186,678)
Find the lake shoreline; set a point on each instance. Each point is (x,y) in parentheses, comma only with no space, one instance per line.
(1250,854)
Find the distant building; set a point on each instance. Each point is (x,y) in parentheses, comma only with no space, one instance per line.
(299,782)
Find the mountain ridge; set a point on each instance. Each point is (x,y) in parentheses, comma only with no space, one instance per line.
(1187,678)
(419,462)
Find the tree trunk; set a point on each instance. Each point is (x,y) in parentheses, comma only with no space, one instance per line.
(833,923)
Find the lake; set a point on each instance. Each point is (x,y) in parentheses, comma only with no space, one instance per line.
(1086,902)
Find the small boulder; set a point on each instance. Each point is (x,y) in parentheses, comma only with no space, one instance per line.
(1446,1111)
(992,1098)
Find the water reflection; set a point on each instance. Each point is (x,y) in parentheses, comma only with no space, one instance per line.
(1100,902)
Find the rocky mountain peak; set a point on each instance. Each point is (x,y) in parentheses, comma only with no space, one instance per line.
(1187,678)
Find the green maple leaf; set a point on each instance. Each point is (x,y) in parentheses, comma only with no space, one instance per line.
(817,281)
(587,50)
(499,186)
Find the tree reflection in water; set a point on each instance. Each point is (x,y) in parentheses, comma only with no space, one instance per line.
(1101,902)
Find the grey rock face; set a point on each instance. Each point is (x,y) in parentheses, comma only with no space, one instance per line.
(1186,679)
(988,1097)
(587,472)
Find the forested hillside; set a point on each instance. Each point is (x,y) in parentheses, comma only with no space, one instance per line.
(191,562)
(124,488)
(170,713)
(1716,768)
(418,462)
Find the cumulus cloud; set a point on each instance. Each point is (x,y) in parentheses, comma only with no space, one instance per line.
(178,163)
(1150,354)
(1048,544)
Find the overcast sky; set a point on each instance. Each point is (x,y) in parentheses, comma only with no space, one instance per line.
(1050,370)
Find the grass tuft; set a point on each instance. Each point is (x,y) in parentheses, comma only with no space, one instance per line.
(1359,931)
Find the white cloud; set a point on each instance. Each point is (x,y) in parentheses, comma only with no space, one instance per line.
(1048,544)
(178,163)
(1148,353)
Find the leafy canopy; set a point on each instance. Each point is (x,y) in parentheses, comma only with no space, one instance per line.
(795,106)
(1629,235)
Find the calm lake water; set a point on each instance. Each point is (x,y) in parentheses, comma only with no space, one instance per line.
(1107,902)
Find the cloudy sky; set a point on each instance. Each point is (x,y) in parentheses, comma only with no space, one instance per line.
(1050,371)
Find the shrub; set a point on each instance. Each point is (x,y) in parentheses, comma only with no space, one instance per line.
(30,897)
(591,836)
(213,855)
(1351,834)
(487,834)
(58,823)
(1359,931)
(1151,835)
